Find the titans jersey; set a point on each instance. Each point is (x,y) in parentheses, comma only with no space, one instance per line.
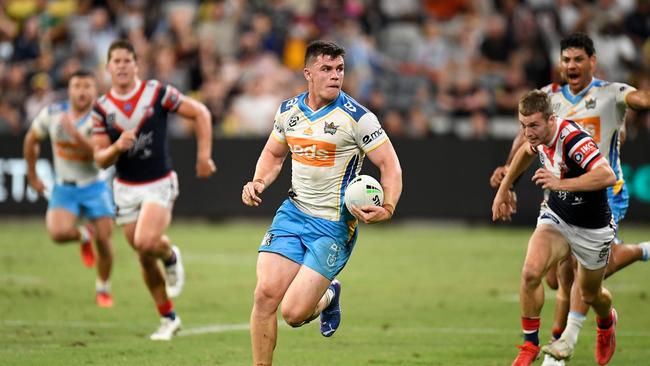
(572,153)
(600,109)
(327,149)
(71,162)
(144,110)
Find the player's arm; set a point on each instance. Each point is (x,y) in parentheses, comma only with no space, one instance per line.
(638,99)
(385,158)
(31,151)
(267,169)
(502,206)
(500,171)
(196,111)
(598,177)
(83,142)
(105,153)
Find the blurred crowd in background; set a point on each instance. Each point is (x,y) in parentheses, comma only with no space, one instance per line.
(425,67)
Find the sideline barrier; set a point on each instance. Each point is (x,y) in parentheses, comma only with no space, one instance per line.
(444,178)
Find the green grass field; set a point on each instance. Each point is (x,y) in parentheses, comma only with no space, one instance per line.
(420,294)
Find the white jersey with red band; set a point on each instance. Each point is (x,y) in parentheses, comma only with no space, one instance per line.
(327,148)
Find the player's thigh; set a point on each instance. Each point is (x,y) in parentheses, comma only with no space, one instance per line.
(305,291)
(275,273)
(60,221)
(590,280)
(129,233)
(96,201)
(152,223)
(545,248)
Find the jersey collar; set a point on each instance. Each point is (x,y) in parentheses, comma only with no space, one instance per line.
(314,115)
(574,99)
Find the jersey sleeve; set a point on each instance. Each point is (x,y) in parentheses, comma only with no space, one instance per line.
(41,124)
(98,118)
(369,134)
(171,98)
(582,149)
(622,90)
(278,131)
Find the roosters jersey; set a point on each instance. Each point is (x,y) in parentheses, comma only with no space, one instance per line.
(600,109)
(71,162)
(327,149)
(144,110)
(572,153)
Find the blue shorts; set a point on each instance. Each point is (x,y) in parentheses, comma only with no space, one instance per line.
(322,245)
(92,201)
(618,204)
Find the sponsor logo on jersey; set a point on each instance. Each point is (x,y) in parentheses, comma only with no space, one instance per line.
(349,106)
(372,136)
(308,131)
(564,133)
(312,152)
(330,128)
(590,103)
(579,157)
(588,147)
(293,121)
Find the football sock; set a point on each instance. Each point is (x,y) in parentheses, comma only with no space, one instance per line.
(531,329)
(171,260)
(645,247)
(85,235)
(328,296)
(605,323)
(556,333)
(102,287)
(166,310)
(573,326)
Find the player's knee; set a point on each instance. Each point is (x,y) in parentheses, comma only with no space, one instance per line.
(62,235)
(146,245)
(104,247)
(531,276)
(266,299)
(293,317)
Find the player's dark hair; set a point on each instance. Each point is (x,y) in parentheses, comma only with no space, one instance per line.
(121,44)
(535,101)
(317,48)
(578,40)
(82,73)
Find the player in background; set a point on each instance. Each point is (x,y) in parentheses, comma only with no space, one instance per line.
(313,234)
(130,131)
(599,106)
(78,190)
(575,218)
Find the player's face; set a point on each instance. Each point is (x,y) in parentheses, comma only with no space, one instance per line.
(122,67)
(82,91)
(576,68)
(536,128)
(325,76)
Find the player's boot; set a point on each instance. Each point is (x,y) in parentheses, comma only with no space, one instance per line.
(559,350)
(175,275)
(87,252)
(606,341)
(330,317)
(167,329)
(528,353)
(104,299)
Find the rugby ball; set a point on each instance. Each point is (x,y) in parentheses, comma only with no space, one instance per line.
(363,190)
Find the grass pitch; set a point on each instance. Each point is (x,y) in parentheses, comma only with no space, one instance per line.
(412,295)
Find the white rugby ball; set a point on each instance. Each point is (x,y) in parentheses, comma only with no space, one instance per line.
(364,190)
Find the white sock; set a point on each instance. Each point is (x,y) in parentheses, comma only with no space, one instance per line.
(328,296)
(101,286)
(85,235)
(573,326)
(645,247)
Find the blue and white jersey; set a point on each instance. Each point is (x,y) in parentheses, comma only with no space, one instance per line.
(72,163)
(571,153)
(600,109)
(327,149)
(145,110)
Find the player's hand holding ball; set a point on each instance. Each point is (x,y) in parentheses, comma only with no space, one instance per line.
(364,198)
